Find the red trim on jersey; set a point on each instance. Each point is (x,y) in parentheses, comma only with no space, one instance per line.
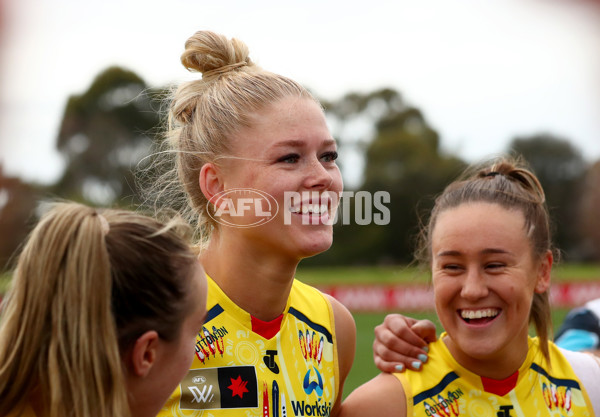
(500,387)
(266,329)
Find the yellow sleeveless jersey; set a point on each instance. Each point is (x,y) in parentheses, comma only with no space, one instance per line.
(446,389)
(247,367)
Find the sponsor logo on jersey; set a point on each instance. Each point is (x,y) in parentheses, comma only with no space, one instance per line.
(310,386)
(269,360)
(216,388)
(209,343)
(443,406)
(505,411)
(301,408)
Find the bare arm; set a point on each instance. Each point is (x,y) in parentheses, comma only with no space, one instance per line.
(380,397)
(399,341)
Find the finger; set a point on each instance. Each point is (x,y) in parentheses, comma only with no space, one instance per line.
(425,329)
(397,362)
(388,367)
(397,359)
(397,322)
(390,335)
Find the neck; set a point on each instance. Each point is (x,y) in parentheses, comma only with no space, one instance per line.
(258,281)
(499,365)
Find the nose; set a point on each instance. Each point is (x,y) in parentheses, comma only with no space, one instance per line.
(474,285)
(318,177)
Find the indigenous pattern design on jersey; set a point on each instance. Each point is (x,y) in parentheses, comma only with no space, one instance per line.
(246,367)
(446,389)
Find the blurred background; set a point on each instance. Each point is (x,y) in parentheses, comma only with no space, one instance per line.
(413,91)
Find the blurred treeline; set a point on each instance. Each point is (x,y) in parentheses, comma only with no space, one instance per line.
(108,130)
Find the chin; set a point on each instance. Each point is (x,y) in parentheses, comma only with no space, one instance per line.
(315,248)
(479,349)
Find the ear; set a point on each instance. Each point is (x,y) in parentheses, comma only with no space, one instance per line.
(544,273)
(210,181)
(144,352)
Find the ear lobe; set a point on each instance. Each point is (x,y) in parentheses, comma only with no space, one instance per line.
(210,181)
(144,352)
(544,273)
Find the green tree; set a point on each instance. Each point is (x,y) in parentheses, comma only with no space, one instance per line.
(17,205)
(589,209)
(404,159)
(105,132)
(560,168)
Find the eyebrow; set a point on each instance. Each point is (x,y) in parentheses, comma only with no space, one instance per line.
(299,143)
(483,252)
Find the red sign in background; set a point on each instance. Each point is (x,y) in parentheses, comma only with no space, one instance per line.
(376,298)
(387,298)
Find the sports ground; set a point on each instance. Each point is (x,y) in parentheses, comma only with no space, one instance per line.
(581,281)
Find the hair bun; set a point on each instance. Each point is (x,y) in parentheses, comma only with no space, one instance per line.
(212,54)
(515,169)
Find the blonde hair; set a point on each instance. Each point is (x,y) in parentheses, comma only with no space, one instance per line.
(83,289)
(509,183)
(205,113)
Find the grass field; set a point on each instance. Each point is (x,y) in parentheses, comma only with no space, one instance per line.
(363,368)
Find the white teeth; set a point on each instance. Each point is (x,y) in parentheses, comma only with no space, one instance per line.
(310,208)
(478,314)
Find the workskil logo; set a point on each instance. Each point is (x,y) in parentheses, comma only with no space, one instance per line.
(302,408)
(242,207)
(216,388)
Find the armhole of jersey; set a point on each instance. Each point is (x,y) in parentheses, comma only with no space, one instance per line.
(587,369)
(407,392)
(335,345)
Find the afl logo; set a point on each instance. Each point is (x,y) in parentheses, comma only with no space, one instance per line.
(198,380)
(242,207)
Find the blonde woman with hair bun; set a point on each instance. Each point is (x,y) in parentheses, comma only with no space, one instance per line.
(101,317)
(271,345)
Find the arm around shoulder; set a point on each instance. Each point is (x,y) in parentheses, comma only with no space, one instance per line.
(381,396)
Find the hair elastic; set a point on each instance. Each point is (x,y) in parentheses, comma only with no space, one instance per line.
(492,174)
(223,69)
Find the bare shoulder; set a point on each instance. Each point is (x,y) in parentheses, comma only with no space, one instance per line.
(381,396)
(343,317)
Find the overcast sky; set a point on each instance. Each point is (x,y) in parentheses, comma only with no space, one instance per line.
(481,71)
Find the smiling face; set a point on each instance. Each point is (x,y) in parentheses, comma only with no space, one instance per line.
(484,278)
(287,150)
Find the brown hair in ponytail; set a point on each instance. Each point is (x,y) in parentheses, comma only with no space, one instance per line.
(509,183)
